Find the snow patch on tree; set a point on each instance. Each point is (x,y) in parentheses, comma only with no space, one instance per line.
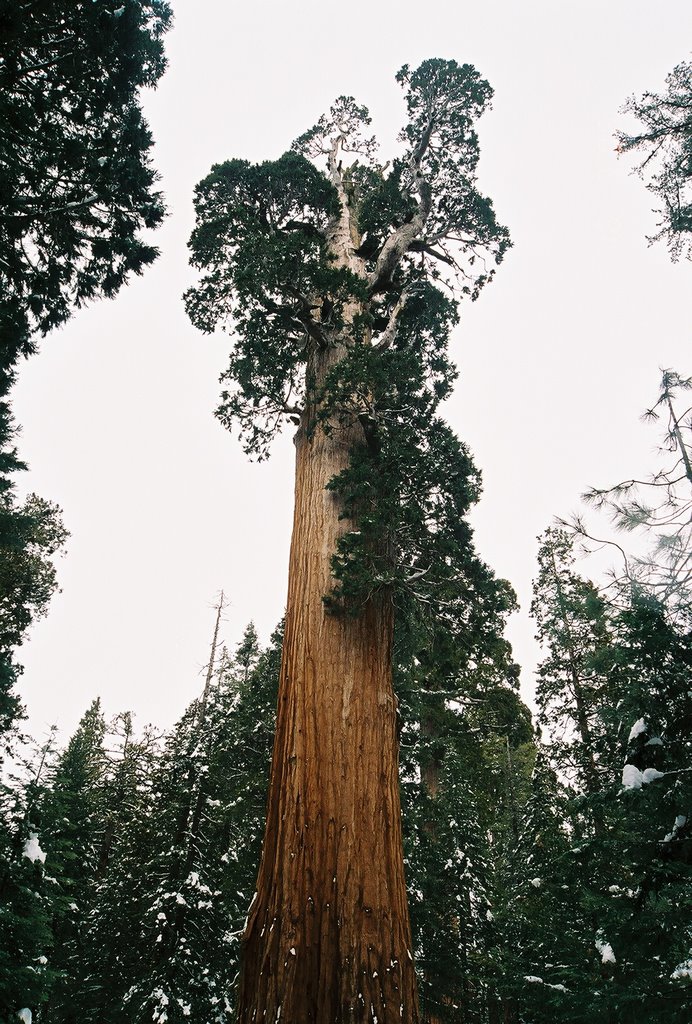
(631,777)
(683,971)
(637,729)
(605,949)
(32,850)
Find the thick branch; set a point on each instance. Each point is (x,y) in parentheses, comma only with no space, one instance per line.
(402,239)
(393,250)
(386,339)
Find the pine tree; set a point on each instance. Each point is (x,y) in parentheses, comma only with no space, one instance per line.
(451,684)
(650,862)
(31,533)
(166,938)
(243,756)
(540,919)
(600,927)
(76,191)
(659,508)
(26,889)
(111,923)
(333,283)
(611,860)
(573,627)
(664,140)
(73,817)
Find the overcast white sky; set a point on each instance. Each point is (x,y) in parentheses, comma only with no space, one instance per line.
(558,357)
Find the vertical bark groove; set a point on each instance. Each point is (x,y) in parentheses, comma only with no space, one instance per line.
(328,936)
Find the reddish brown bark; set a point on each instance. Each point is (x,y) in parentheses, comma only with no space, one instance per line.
(328,936)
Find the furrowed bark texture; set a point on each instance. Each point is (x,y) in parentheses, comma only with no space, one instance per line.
(328,939)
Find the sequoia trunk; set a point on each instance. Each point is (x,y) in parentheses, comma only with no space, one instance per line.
(328,937)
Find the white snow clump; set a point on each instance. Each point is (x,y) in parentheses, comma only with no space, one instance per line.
(33,851)
(683,970)
(637,729)
(680,822)
(632,778)
(605,949)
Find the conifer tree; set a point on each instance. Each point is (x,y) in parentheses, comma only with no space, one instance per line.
(647,909)
(663,140)
(166,937)
(614,867)
(31,533)
(243,757)
(110,923)
(76,806)
(658,508)
(539,920)
(334,286)
(182,918)
(597,920)
(451,675)
(26,888)
(76,192)
(573,627)
(73,816)
(77,182)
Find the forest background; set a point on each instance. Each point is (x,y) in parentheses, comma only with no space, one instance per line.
(557,359)
(544,880)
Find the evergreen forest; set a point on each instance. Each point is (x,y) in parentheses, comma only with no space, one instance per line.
(364,817)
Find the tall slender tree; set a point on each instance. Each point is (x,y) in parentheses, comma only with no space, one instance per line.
(27,895)
(572,620)
(340,290)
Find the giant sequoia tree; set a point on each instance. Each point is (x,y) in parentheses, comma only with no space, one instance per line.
(340,288)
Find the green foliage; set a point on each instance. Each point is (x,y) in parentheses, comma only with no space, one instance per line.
(76,191)
(31,533)
(73,814)
(575,632)
(459,717)
(260,244)
(664,142)
(347,119)
(266,240)
(604,854)
(164,936)
(443,101)
(26,889)
(76,186)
